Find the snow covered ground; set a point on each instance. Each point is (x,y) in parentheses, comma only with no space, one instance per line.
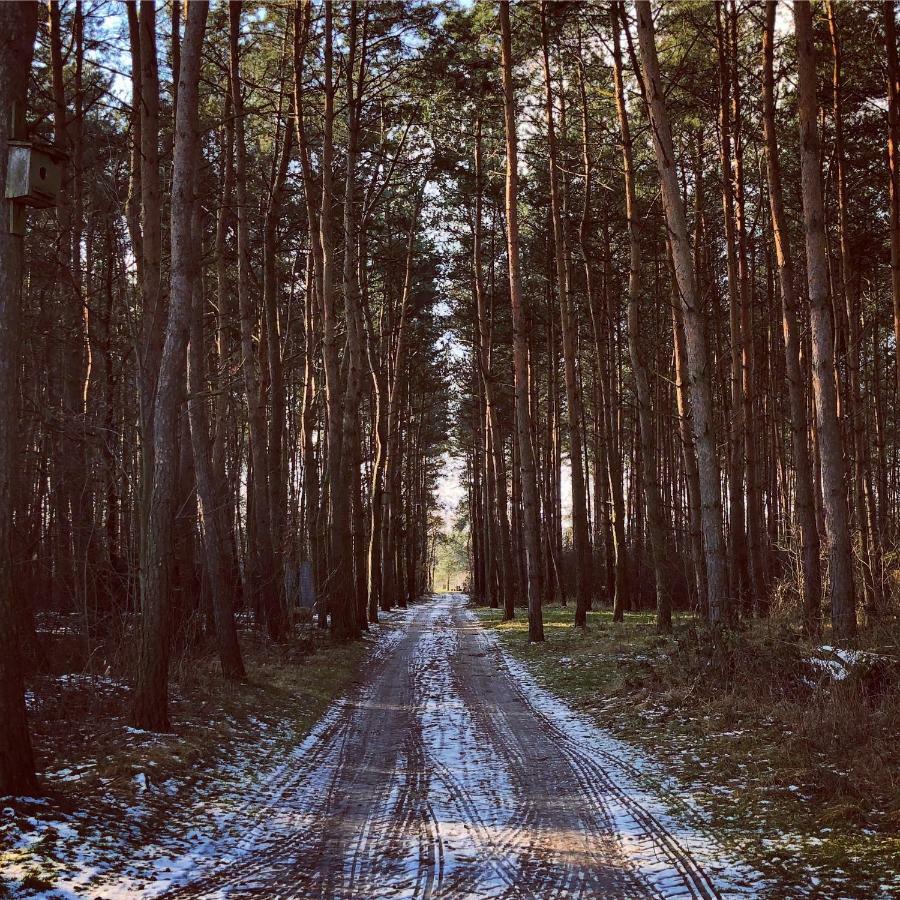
(449,772)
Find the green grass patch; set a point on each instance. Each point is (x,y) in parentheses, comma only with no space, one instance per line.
(798,773)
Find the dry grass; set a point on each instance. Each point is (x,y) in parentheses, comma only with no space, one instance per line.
(96,769)
(84,718)
(801,773)
(92,761)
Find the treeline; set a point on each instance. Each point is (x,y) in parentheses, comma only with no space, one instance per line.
(221,378)
(683,306)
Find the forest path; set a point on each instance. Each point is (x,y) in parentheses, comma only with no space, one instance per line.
(443,776)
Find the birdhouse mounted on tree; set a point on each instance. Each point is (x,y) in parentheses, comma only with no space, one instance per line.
(34,174)
(33,177)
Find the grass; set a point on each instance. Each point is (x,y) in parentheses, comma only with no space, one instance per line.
(800,774)
(223,734)
(293,682)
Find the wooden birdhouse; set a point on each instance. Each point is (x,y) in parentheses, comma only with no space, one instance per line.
(33,176)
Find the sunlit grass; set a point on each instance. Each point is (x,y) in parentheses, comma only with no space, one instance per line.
(799,783)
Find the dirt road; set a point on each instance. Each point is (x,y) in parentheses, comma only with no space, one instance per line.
(443,777)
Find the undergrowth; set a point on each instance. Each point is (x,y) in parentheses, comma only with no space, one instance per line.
(119,789)
(799,771)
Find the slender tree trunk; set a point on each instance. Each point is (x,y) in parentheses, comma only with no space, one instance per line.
(530,525)
(352,311)
(18,24)
(659,544)
(694,326)
(804,503)
(342,606)
(153,312)
(64,468)
(390,498)
(831,454)
(276,472)
(495,460)
(151,689)
(580,535)
(604,328)
(214,540)
(133,203)
(869,549)
(225,353)
(260,549)
(737,535)
(893,98)
(748,434)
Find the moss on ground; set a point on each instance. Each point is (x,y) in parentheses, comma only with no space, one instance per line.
(799,774)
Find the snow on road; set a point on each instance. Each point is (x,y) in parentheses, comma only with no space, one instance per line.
(448,773)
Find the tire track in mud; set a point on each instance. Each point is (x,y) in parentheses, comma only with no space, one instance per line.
(651,847)
(273,857)
(441,776)
(568,848)
(442,709)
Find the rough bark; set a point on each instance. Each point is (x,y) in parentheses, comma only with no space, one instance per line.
(831,453)
(530,523)
(694,325)
(18,27)
(150,704)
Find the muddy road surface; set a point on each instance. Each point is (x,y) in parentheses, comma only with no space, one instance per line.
(444,776)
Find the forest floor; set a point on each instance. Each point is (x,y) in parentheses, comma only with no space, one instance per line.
(789,755)
(121,809)
(444,770)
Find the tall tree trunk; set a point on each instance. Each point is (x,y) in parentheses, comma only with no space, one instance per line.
(580,535)
(150,709)
(496,463)
(604,525)
(804,503)
(390,498)
(64,468)
(688,450)
(831,453)
(353,313)
(18,25)
(869,550)
(153,300)
(276,473)
(344,623)
(748,432)
(893,98)
(214,539)
(531,525)
(225,352)
(656,521)
(737,533)
(694,326)
(261,548)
